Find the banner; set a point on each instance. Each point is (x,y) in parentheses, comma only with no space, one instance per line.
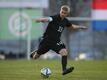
(24,4)
(14,23)
(99,14)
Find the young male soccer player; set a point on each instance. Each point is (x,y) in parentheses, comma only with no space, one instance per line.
(51,38)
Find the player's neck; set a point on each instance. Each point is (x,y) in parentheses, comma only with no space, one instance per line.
(61,17)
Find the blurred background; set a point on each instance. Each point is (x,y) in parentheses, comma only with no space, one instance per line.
(19,35)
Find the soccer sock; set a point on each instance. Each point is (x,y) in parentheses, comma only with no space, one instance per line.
(64,62)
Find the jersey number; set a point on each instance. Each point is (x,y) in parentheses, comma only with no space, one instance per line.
(60,29)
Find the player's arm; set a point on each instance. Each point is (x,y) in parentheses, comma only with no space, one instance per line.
(73,26)
(48,19)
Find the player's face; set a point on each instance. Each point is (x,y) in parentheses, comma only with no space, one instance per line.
(63,13)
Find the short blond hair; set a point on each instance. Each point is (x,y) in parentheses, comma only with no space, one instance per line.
(65,8)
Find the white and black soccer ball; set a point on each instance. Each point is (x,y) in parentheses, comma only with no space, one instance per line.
(45,72)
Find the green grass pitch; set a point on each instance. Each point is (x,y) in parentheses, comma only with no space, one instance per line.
(30,70)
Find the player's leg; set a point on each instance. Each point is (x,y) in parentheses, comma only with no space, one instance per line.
(42,49)
(34,55)
(61,49)
(63,53)
(66,70)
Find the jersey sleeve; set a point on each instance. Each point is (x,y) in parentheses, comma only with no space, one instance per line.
(50,19)
(68,23)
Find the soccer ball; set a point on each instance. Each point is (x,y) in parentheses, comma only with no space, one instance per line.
(45,72)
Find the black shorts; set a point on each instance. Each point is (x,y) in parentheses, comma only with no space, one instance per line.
(46,45)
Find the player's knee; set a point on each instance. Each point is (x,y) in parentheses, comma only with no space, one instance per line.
(63,52)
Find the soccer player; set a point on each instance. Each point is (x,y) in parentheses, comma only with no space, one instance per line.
(51,37)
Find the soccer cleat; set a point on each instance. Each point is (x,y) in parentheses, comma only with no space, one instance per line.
(68,70)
